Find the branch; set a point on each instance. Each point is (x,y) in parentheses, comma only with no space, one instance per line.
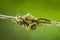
(30,22)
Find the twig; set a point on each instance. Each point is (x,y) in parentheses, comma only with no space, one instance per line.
(30,22)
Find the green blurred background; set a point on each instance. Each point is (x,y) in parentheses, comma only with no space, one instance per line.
(49,9)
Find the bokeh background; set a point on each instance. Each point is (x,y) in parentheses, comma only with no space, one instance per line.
(49,9)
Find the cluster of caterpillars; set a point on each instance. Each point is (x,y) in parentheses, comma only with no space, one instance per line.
(31,22)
